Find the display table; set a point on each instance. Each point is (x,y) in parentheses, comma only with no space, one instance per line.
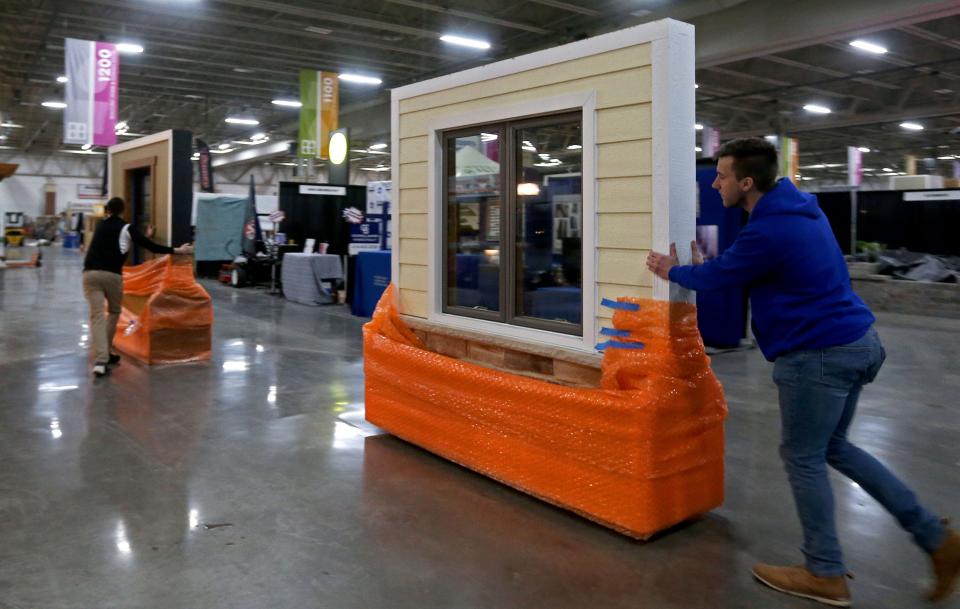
(372,277)
(303,276)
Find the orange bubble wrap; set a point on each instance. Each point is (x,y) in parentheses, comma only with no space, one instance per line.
(640,454)
(167,316)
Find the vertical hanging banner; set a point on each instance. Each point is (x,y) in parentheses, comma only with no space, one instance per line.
(205,167)
(319,112)
(91,92)
(789,158)
(854,166)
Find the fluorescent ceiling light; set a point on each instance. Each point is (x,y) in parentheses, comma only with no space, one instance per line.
(62,79)
(908,125)
(223,150)
(82,151)
(233,120)
(127,47)
(869,47)
(121,126)
(886,169)
(11,125)
(381,168)
(86,147)
(379,146)
(258,136)
(360,79)
(815,109)
(544,156)
(290,103)
(697,149)
(529,148)
(54,104)
(944,158)
(488,137)
(698,127)
(863,149)
(574,147)
(528,189)
(473,43)
(696,86)
(223,146)
(318,30)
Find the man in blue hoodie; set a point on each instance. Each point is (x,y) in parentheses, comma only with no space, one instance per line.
(807,319)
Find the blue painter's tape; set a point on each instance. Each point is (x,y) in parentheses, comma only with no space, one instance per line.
(601,346)
(613,332)
(622,345)
(625,306)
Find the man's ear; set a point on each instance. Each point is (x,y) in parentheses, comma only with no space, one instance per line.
(746,183)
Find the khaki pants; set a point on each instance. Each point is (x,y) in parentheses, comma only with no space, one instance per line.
(97,287)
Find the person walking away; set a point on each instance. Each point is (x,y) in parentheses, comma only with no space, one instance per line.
(820,336)
(103,278)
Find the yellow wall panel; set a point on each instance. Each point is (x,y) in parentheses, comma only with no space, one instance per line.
(413,226)
(413,276)
(413,150)
(624,123)
(413,175)
(577,69)
(626,267)
(413,302)
(626,231)
(411,201)
(413,251)
(628,87)
(624,159)
(625,195)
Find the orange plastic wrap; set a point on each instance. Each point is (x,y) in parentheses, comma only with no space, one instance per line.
(640,454)
(167,316)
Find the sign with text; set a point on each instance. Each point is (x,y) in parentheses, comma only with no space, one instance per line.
(319,112)
(854,166)
(315,189)
(89,191)
(365,237)
(91,92)
(932,195)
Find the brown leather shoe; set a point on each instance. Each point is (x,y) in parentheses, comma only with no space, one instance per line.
(946,567)
(798,581)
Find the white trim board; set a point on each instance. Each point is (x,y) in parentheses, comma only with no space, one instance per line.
(586,103)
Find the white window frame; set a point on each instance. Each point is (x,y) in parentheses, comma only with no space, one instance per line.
(584,102)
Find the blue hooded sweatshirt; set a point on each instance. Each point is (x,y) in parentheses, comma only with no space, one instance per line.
(789,261)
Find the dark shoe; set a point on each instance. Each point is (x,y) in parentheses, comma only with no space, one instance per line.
(114,360)
(798,581)
(946,567)
(99,370)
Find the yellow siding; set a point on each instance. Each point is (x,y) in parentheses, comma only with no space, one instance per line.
(620,195)
(623,124)
(413,226)
(413,302)
(616,89)
(413,276)
(622,81)
(574,70)
(625,231)
(626,267)
(413,150)
(624,159)
(413,251)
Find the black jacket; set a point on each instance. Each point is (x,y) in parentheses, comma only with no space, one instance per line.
(104,253)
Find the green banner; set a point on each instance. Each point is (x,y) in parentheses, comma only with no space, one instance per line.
(309,146)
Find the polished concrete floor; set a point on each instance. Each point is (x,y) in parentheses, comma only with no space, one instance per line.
(250,482)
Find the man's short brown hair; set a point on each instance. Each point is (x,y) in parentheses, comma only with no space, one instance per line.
(753,158)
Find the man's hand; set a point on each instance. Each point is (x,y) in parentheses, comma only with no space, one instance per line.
(149,232)
(660,265)
(186,248)
(696,257)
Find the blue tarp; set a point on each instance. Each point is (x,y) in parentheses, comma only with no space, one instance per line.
(220,228)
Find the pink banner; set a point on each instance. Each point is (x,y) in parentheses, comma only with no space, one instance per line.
(106,85)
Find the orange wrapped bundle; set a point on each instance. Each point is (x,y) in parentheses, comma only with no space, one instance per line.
(167,316)
(640,454)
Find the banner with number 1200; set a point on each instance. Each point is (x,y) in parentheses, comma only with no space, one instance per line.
(92,92)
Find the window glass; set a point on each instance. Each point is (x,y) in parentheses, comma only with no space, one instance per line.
(473,215)
(549,221)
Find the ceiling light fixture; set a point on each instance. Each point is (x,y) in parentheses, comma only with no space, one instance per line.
(62,79)
(462,41)
(235,120)
(488,137)
(11,125)
(817,109)
(912,126)
(574,147)
(360,79)
(128,47)
(697,149)
(289,103)
(869,47)
(379,146)
(698,127)
(258,136)
(54,104)
(863,149)
(223,146)
(86,147)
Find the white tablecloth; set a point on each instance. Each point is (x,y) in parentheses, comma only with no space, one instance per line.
(303,276)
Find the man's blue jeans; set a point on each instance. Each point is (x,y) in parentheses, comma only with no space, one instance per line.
(818,397)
